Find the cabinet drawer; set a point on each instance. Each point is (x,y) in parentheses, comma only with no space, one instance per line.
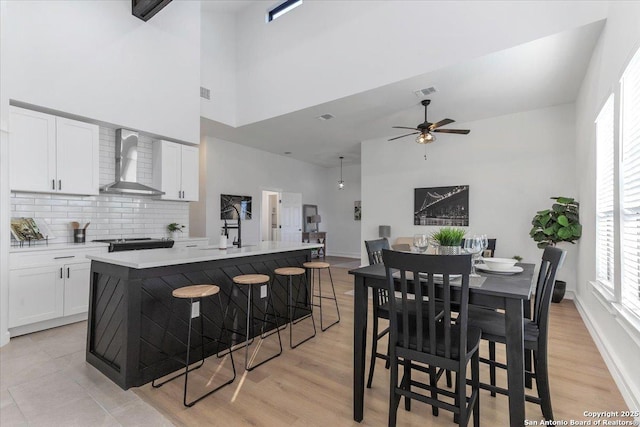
(45,258)
(190,243)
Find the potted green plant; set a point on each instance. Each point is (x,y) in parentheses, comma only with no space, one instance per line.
(449,240)
(173,227)
(559,224)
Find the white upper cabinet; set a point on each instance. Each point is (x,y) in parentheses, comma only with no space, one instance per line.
(175,171)
(52,154)
(78,156)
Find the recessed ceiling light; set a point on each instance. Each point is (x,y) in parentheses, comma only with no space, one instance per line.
(287,152)
(325,117)
(424,92)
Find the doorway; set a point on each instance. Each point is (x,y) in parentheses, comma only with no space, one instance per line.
(281,216)
(270,218)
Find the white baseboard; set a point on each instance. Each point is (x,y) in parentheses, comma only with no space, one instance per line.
(4,338)
(610,358)
(47,324)
(344,254)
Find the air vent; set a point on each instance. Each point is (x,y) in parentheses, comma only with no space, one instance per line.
(424,92)
(325,117)
(205,93)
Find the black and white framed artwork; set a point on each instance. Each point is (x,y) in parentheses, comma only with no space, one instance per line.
(444,206)
(231,206)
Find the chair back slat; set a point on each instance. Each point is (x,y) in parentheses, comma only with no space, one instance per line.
(417,284)
(405,305)
(552,259)
(374,252)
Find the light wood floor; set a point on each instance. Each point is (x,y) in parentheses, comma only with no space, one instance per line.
(311,385)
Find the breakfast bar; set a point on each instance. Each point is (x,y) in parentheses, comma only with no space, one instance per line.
(130,303)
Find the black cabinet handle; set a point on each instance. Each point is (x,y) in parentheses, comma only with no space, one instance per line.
(53,184)
(61,272)
(64,257)
(59,184)
(191,246)
(68,272)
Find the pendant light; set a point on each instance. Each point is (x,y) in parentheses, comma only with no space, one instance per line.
(341,182)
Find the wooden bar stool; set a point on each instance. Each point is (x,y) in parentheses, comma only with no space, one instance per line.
(319,266)
(301,273)
(252,280)
(194,293)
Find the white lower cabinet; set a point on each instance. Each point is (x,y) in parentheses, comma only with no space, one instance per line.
(47,285)
(35,294)
(76,288)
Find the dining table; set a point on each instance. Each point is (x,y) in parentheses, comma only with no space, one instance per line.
(509,292)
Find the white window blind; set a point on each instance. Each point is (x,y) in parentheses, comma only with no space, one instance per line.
(604,195)
(630,140)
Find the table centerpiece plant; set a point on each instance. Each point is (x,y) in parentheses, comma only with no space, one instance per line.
(449,240)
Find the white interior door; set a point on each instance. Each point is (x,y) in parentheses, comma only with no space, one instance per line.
(291,217)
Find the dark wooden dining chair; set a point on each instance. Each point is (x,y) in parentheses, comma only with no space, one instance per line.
(431,337)
(536,332)
(380,306)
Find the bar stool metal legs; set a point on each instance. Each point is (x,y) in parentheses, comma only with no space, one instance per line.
(193,294)
(252,280)
(293,304)
(318,266)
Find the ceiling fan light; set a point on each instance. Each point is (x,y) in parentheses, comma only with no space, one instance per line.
(425,138)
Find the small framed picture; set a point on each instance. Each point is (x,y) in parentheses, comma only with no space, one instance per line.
(357,210)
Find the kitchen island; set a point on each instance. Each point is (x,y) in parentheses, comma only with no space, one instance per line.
(131,307)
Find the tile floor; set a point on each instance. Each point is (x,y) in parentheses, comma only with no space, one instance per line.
(45,381)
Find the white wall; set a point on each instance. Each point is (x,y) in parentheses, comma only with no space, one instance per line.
(218,66)
(618,342)
(512,163)
(96,60)
(4,179)
(343,232)
(235,169)
(325,50)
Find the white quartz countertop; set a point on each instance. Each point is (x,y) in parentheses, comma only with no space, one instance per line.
(150,258)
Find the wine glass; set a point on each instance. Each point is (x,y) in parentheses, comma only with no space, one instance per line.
(485,243)
(421,242)
(473,246)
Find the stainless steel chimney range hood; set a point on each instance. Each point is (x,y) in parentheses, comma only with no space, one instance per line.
(127,167)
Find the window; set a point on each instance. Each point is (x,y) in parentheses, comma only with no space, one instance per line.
(630,192)
(604,195)
(282,8)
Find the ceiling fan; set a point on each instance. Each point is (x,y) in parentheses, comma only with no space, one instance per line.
(424,129)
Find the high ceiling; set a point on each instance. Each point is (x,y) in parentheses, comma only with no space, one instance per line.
(538,74)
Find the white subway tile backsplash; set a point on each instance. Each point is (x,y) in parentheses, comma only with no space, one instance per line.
(66,209)
(111,216)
